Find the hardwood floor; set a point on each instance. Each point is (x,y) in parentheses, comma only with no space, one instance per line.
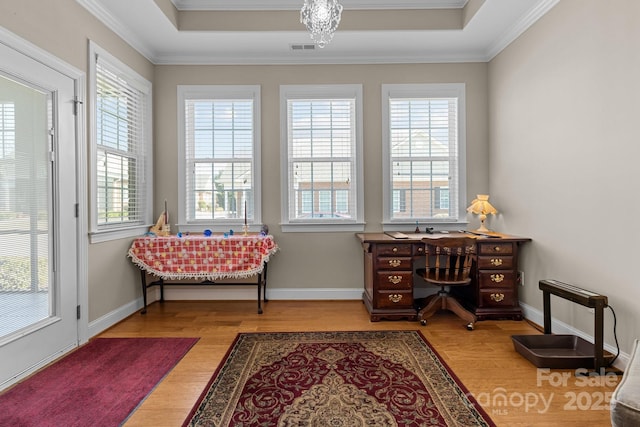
(510,388)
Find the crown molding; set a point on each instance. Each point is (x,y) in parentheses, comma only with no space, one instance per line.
(518,28)
(382,58)
(94,7)
(296,4)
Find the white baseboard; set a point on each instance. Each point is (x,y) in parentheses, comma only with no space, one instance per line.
(241,293)
(316,294)
(557,327)
(108,320)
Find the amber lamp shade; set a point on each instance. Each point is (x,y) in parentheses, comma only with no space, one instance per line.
(481,206)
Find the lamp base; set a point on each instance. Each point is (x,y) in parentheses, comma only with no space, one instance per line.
(483,230)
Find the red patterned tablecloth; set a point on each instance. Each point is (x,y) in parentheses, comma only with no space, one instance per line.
(207,258)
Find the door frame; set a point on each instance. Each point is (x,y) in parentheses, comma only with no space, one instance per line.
(36,53)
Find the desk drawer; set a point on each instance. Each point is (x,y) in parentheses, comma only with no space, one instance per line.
(498,262)
(399,249)
(495,248)
(392,280)
(394,263)
(497,298)
(496,279)
(395,299)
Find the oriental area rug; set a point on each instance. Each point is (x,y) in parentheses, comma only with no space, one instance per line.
(372,378)
(99,384)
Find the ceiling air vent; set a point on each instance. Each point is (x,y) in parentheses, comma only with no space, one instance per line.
(302,47)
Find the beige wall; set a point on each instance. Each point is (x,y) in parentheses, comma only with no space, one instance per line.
(63,28)
(316,260)
(564,112)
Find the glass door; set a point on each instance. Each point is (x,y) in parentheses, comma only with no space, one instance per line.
(38,256)
(25,208)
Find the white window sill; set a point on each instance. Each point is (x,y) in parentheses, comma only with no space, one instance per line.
(117,233)
(321,227)
(216,228)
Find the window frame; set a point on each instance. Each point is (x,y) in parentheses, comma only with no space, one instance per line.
(221,92)
(321,92)
(427,90)
(106,232)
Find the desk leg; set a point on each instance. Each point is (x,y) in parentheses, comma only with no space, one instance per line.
(143,277)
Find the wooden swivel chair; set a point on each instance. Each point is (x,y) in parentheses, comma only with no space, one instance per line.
(448,263)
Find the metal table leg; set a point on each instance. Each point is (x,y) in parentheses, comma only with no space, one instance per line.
(259,293)
(143,276)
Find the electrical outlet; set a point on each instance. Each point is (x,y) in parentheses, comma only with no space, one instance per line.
(520,278)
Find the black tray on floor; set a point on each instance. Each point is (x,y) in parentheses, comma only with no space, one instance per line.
(556,351)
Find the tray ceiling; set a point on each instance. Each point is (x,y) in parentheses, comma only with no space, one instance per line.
(270,32)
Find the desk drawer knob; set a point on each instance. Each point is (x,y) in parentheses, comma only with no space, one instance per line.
(496,248)
(496,262)
(395,250)
(395,279)
(497,297)
(497,278)
(394,262)
(395,298)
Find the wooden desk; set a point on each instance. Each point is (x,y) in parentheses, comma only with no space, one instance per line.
(389,271)
(208,259)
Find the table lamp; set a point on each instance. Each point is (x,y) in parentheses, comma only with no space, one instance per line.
(481,206)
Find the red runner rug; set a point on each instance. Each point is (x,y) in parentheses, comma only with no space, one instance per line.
(99,384)
(373,378)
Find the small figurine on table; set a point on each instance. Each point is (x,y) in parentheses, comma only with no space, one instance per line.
(162,227)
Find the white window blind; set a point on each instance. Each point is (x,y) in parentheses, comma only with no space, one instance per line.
(219,156)
(120,149)
(26,216)
(321,135)
(219,146)
(424,158)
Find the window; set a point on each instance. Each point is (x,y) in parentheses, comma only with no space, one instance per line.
(321,133)
(423,152)
(120,149)
(219,137)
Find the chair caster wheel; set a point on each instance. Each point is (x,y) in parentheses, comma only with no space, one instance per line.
(423,322)
(470,327)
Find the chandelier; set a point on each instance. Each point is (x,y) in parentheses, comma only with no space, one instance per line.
(321,18)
